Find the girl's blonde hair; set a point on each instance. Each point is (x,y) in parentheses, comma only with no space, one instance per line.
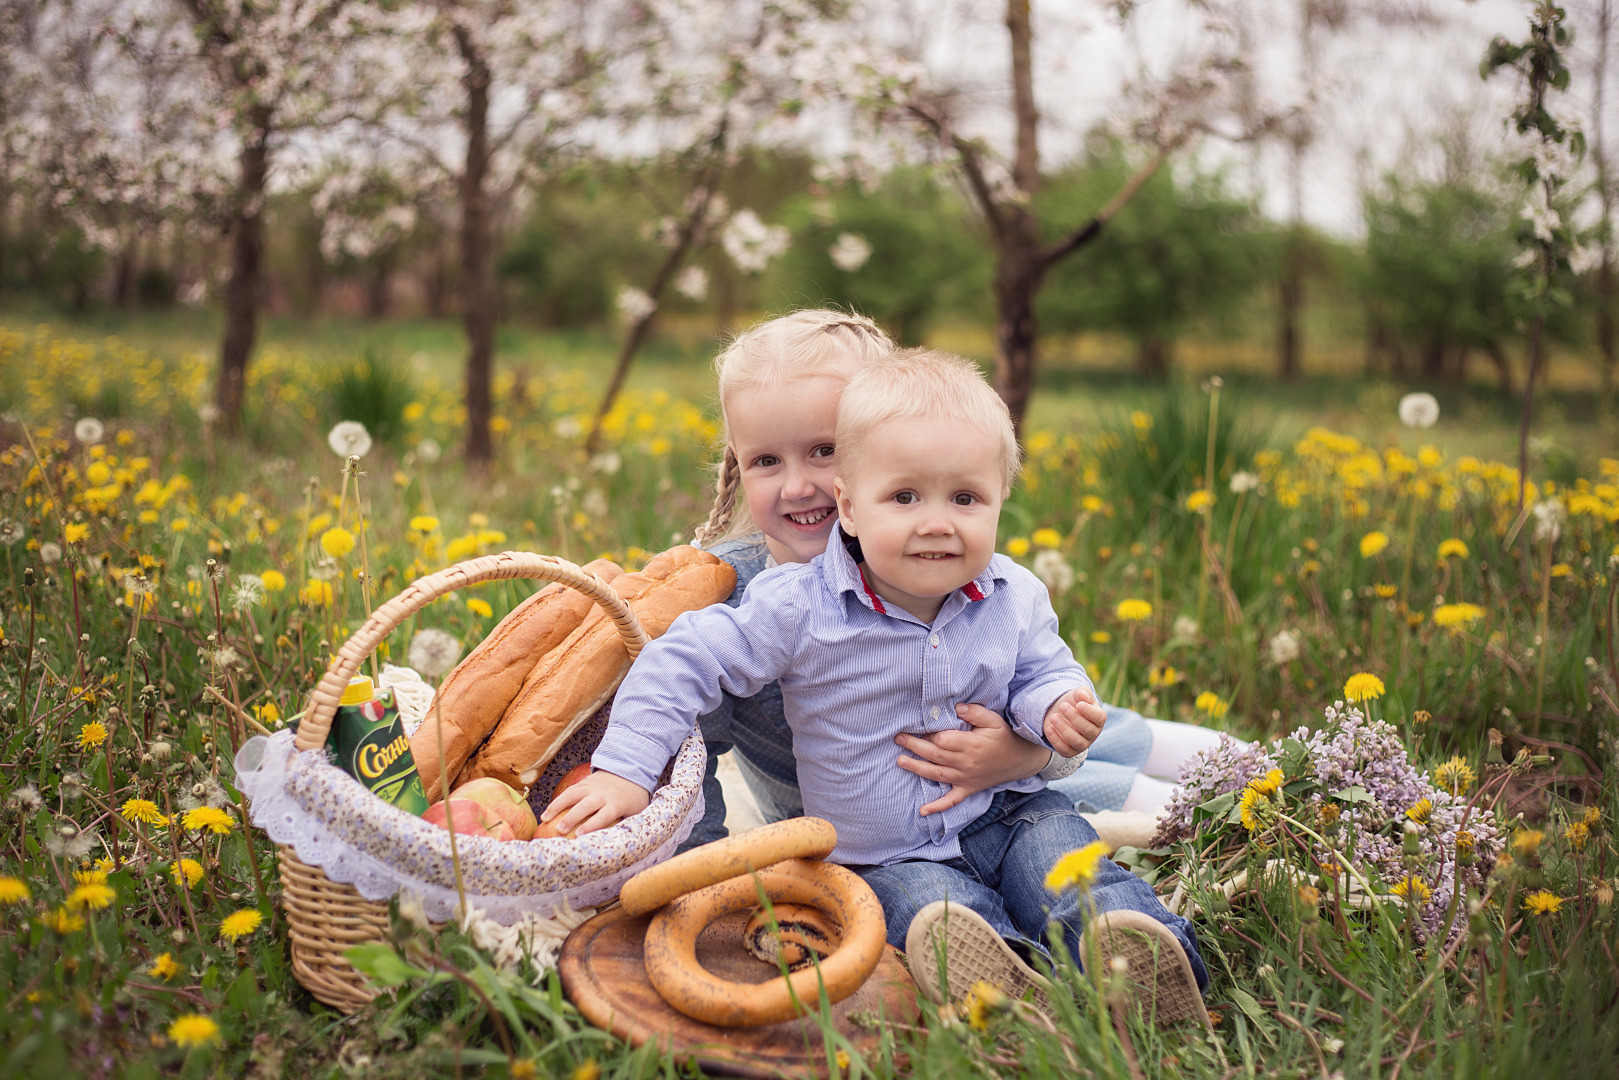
(946,389)
(802,345)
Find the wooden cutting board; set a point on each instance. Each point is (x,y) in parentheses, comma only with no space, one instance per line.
(604,975)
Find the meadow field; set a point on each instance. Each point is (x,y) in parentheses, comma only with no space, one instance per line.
(1428,850)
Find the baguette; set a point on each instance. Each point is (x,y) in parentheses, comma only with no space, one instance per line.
(476,694)
(578,677)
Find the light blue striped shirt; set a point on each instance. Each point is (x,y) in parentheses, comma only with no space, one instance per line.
(854,673)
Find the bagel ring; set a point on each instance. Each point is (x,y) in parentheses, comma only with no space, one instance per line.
(803,935)
(671,945)
(795,838)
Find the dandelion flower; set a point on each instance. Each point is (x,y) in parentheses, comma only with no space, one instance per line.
(337,541)
(193,1030)
(1373,543)
(1133,610)
(1100,637)
(14,891)
(1213,704)
(983,1001)
(1542,902)
(1363,686)
(1199,501)
(348,438)
(1526,842)
(433,652)
(92,735)
(89,431)
(1452,549)
(587,1070)
(273,580)
(317,594)
(191,869)
(1419,410)
(1269,784)
(75,531)
(423,523)
(1253,803)
(1421,811)
(211,818)
(239,924)
(1456,617)
(64,921)
(1284,647)
(1048,538)
(480,607)
(522,1069)
(1455,776)
(1017,547)
(164,967)
(1578,835)
(50,553)
(1077,869)
(1413,889)
(93,895)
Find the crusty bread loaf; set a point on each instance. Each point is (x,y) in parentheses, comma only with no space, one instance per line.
(575,679)
(475,695)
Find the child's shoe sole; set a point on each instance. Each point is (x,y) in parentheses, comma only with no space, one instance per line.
(971,951)
(1162,983)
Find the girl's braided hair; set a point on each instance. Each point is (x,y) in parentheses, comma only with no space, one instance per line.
(805,344)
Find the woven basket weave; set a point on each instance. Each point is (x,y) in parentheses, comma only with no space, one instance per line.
(327,918)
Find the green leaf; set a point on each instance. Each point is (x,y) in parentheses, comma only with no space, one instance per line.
(1216,807)
(1354,794)
(382,964)
(1293,756)
(1245,1001)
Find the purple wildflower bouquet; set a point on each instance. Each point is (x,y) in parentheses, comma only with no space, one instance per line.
(1346,789)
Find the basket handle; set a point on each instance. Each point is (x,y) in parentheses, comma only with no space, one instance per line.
(385,619)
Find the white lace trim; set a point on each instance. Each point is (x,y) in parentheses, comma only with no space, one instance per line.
(331,821)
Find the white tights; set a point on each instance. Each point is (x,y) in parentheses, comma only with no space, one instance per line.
(1172,744)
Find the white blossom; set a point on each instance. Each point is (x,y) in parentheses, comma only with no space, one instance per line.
(607,462)
(348,438)
(1419,410)
(433,652)
(1540,215)
(692,283)
(850,253)
(751,244)
(1052,569)
(89,431)
(1584,258)
(1284,647)
(634,304)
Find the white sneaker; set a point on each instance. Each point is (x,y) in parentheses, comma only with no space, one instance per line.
(950,947)
(1160,975)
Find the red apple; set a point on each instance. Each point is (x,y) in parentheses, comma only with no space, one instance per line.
(502,800)
(570,778)
(471,818)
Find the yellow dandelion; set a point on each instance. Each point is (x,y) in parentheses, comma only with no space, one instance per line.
(1077,869)
(1199,501)
(1253,803)
(1452,549)
(1413,890)
(211,818)
(1373,543)
(274,580)
(1561,569)
(1100,637)
(480,607)
(190,869)
(522,1069)
(1421,717)
(1269,784)
(14,891)
(93,895)
(1542,902)
(74,531)
(1133,610)
(239,924)
(268,713)
(1465,843)
(193,1030)
(144,811)
(1526,842)
(1455,776)
(1385,591)
(317,594)
(92,735)
(1363,686)
(1048,538)
(1421,811)
(63,921)
(1578,835)
(983,1001)
(164,967)
(586,1070)
(337,541)
(423,523)
(1213,704)
(1457,616)
(1017,547)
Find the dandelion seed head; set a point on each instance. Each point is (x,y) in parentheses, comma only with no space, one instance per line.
(349,438)
(1419,410)
(89,431)
(433,652)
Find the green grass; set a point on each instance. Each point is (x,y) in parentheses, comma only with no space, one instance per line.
(1297,994)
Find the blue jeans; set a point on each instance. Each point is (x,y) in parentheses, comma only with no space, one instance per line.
(1001,871)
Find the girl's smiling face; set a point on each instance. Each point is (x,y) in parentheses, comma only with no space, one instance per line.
(782,438)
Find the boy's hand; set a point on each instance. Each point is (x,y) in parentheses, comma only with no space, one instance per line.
(1074,721)
(595,803)
(987,753)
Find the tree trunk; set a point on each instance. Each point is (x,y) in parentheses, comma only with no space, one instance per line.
(1503,369)
(378,291)
(1152,357)
(1291,299)
(1019,273)
(1433,359)
(477,292)
(246,259)
(123,275)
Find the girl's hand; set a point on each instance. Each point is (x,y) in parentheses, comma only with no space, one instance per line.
(595,803)
(989,752)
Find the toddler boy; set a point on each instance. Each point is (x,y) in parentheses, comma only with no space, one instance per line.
(908,615)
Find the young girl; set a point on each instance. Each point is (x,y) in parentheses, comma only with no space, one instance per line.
(779,384)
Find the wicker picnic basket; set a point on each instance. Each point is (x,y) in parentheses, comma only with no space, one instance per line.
(326,917)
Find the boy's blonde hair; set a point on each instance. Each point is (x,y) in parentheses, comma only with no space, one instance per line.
(923,382)
(803,345)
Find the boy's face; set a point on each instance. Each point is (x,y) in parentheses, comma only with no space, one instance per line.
(925,501)
(782,438)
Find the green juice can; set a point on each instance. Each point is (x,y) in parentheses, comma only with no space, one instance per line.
(370,744)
